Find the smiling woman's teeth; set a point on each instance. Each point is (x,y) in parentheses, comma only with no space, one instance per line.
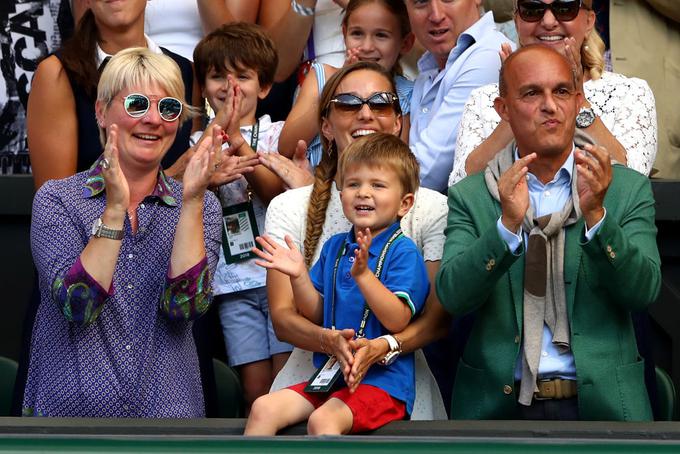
(551,38)
(146,136)
(362,132)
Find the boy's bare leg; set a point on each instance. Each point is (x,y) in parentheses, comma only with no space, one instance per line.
(332,418)
(272,412)
(278,361)
(256,378)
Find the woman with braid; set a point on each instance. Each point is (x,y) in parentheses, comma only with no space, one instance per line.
(358,100)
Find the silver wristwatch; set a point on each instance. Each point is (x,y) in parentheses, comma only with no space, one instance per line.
(99,230)
(586,117)
(395,350)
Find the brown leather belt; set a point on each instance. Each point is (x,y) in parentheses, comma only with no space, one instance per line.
(555,388)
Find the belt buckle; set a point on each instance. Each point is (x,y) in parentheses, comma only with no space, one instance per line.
(549,387)
(555,388)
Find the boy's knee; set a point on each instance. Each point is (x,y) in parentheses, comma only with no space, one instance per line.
(324,422)
(317,423)
(261,410)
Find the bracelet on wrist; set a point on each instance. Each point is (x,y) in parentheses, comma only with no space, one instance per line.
(301,10)
(321,341)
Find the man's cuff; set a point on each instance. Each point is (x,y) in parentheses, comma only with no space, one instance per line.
(590,233)
(513,240)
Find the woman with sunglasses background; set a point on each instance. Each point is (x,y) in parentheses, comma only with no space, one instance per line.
(61,127)
(618,112)
(358,100)
(125,258)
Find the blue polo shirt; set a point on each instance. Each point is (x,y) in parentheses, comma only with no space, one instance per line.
(403,273)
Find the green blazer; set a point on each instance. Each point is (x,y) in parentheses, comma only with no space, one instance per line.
(618,271)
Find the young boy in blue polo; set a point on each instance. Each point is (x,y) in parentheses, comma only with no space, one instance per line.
(371,279)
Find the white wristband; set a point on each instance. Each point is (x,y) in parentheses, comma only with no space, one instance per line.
(301,9)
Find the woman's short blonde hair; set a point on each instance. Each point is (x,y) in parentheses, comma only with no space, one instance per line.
(138,66)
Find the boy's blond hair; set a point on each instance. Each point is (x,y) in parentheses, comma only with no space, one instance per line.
(382,150)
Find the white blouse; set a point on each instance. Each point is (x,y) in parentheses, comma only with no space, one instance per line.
(625,105)
(424,224)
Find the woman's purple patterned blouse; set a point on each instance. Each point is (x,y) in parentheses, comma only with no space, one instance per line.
(126,351)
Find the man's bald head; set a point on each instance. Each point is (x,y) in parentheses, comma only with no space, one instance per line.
(539,100)
(532,52)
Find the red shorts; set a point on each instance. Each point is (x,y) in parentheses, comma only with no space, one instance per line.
(371,406)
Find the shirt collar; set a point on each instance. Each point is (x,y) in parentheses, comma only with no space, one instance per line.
(94,184)
(378,241)
(265,122)
(564,173)
(152,46)
(466,39)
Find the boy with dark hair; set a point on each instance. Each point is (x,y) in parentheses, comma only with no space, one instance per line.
(235,68)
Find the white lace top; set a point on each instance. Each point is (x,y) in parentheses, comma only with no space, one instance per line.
(424,224)
(625,105)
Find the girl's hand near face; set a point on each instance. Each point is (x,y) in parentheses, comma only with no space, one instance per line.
(352,56)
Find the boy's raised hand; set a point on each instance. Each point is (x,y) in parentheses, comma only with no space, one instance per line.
(288,260)
(360,266)
(226,113)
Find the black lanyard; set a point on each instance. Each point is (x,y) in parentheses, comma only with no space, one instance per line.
(378,271)
(255,135)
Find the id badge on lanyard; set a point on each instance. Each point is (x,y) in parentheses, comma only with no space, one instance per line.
(239,226)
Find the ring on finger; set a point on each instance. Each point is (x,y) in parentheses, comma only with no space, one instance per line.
(106,164)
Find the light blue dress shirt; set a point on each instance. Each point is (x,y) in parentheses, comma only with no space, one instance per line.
(545,199)
(439,97)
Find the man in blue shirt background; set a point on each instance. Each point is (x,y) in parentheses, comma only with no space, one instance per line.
(462,54)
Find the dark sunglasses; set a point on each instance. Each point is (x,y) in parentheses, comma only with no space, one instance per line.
(563,10)
(137,105)
(380,103)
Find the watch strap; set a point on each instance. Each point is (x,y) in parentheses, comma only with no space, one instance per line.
(393,353)
(100,230)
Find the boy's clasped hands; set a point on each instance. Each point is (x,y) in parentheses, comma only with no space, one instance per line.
(352,353)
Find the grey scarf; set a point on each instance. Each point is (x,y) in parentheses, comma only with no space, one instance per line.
(544,291)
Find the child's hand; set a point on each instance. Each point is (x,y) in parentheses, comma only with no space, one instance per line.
(352,56)
(289,261)
(229,115)
(231,167)
(360,266)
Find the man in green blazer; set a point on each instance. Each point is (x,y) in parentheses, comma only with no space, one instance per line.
(552,247)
